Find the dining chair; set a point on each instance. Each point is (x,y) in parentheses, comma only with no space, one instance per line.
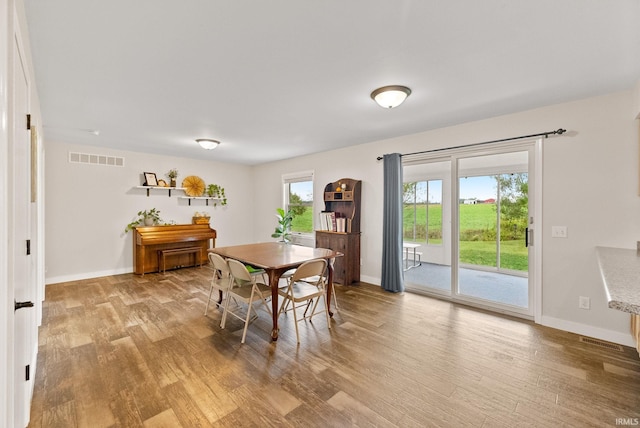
(314,280)
(220,280)
(300,289)
(246,289)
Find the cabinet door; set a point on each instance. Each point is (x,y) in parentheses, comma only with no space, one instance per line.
(340,267)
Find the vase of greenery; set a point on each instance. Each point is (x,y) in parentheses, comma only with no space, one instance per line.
(283,229)
(217,191)
(172,175)
(147,218)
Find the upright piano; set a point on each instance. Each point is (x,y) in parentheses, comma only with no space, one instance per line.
(148,240)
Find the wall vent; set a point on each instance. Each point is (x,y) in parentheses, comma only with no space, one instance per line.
(601,344)
(75,157)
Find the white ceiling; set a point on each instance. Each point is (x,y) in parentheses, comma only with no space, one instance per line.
(278,79)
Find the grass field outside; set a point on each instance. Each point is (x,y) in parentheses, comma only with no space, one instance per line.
(477,234)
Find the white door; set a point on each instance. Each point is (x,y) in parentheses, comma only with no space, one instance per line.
(20,260)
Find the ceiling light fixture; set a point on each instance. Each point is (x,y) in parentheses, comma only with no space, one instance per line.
(390,96)
(207,143)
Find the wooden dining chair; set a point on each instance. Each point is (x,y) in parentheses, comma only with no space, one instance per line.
(245,288)
(300,289)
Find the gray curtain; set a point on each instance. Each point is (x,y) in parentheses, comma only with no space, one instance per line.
(392,274)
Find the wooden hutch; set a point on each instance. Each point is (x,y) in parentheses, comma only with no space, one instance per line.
(342,198)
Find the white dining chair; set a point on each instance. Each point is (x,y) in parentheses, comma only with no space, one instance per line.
(245,288)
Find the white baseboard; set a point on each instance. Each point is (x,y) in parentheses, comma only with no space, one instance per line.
(370,280)
(86,275)
(588,330)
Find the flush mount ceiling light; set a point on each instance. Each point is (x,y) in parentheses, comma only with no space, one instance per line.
(390,96)
(207,143)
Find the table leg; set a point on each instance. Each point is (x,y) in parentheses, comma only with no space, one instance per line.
(329,287)
(274,278)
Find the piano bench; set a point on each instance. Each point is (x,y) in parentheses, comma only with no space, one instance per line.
(162,256)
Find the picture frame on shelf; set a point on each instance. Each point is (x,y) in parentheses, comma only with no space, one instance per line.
(150,179)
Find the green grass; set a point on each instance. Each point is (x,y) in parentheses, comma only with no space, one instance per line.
(303,223)
(514,254)
(477,234)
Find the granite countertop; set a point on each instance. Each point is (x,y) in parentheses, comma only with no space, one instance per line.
(620,269)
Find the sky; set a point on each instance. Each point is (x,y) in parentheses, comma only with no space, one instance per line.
(481,188)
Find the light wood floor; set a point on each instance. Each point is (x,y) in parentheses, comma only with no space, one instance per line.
(128,351)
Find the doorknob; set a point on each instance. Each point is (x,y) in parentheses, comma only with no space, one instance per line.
(20,305)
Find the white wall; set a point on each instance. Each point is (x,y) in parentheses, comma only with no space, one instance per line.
(88,207)
(590,179)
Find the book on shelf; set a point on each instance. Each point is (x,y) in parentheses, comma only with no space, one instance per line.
(328,221)
(331,222)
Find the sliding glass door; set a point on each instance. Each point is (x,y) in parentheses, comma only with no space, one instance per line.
(493,255)
(427,226)
(466,221)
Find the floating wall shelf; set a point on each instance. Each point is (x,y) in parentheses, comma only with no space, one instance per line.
(205,198)
(148,188)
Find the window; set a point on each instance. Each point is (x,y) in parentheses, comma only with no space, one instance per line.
(298,197)
(422,211)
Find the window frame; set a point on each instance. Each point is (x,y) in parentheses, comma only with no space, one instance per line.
(299,177)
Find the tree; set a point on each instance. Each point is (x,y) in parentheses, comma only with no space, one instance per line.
(514,204)
(296,204)
(408,192)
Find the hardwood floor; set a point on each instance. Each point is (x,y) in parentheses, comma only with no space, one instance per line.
(129,351)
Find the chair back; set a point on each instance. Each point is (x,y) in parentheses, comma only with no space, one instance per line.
(219,265)
(309,269)
(239,272)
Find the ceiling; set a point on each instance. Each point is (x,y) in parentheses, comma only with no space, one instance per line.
(278,79)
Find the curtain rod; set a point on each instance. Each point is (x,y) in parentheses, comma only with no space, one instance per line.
(559,131)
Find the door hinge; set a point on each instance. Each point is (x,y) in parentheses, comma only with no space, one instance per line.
(28,247)
(28,122)
(26,373)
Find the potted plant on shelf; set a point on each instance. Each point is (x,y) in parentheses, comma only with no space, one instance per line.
(283,229)
(145,218)
(216,191)
(172,175)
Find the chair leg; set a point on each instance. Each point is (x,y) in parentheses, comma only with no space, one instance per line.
(246,322)
(295,320)
(223,322)
(326,311)
(208,300)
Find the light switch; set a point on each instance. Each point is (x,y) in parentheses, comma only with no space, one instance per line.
(558,231)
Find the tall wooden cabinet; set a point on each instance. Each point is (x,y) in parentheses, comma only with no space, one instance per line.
(342,198)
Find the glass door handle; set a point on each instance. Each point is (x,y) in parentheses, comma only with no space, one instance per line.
(528,237)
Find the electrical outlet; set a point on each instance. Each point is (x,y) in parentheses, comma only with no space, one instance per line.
(584,302)
(558,231)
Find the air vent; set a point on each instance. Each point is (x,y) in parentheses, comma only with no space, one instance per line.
(601,344)
(92,159)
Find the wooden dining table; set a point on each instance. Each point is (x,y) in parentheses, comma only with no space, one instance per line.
(276,258)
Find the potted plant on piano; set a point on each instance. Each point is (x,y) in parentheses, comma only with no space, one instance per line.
(145,218)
